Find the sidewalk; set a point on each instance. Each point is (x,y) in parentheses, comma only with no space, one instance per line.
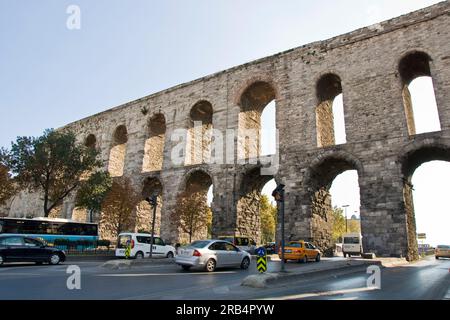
(296,270)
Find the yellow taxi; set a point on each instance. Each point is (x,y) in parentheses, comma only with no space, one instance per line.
(300,251)
(442,252)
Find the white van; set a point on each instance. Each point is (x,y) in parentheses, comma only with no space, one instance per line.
(352,244)
(140,246)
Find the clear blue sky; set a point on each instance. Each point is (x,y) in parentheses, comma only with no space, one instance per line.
(50,76)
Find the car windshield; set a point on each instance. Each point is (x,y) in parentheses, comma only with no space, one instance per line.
(443,247)
(294,244)
(351,240)
(199,244)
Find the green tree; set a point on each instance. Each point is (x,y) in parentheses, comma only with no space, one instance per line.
(92,193)
(268,219)
(52,164)
(339,224)
(192,214)
(7,185)
(118,208)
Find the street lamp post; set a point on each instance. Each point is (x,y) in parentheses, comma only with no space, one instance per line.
(346,220)
(153,201)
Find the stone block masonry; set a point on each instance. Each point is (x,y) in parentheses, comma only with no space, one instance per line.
(370,67)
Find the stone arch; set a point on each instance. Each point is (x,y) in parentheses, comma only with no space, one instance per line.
(328,88)
(248,219)
(118,151)
(416,155)
(414,65)
(252,102)
(318,180)
(144,211)
(91,141)
(154,143)
(196,182)
(200,133)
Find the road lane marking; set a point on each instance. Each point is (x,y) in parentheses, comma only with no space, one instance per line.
(321,294)
(161,274)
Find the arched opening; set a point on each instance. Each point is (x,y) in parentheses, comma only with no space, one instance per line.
(144,211)
(254,138)
(325,177)
(330,120)
(91,142)
(154,144)
(193,215)
(248,219)
(419,167)
(345,200)
(200,133)
(118,152)
(418,94)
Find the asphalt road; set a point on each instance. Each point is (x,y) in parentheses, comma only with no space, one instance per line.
(427,279)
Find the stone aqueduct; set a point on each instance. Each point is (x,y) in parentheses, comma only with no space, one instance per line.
(372,67)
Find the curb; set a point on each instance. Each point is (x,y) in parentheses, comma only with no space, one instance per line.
(265,280)
(89,258)
(127,264)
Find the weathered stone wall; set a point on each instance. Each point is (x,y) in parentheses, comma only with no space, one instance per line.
(367,64)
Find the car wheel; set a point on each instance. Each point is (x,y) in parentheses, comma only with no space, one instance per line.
(186,268)
(437,258)
(1,260)
(305,259)
(318,258)
(139,255)
(345,255)
(54,259)
(210,265)
(170,255)
(285,261)
(39,263)
(245,263)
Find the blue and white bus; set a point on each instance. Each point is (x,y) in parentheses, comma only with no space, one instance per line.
(49,229)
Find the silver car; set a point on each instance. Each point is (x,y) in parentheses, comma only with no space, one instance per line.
(212,254)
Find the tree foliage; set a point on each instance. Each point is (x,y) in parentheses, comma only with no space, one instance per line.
(93,191)
(118,208)
(192,214)
(268,220)
(7,185)
(340,226)
(52,164)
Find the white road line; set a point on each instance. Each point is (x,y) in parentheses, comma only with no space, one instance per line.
(321,294)
(160,274)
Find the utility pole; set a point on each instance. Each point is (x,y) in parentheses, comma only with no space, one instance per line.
(345,206)
(278,194)
(153,201)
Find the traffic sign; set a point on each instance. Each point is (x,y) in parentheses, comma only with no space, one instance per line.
(421,236)
(261,262)
(261,252)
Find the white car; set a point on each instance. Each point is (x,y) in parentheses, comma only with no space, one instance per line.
(352,244)
(209,254)
(140,246)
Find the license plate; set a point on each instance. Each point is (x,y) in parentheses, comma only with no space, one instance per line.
(288,251)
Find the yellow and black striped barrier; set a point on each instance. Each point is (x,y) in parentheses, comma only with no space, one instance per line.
(261,261)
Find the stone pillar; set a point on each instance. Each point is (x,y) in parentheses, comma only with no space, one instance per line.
(383,218)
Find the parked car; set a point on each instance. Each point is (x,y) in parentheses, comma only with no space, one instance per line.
(25,249)
(442,251)
(212,254)
(244,243)
(140,246)
(352,244)
(300,251)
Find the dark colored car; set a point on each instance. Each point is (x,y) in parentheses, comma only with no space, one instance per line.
(25,249)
